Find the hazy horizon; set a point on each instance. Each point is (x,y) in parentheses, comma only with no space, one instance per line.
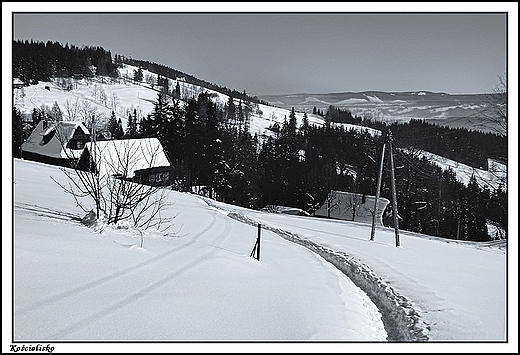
(287,53)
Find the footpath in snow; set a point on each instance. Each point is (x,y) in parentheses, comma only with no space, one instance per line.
(428,289)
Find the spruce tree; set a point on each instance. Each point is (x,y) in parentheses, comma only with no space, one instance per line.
(119,132)
(131,129)
(304,129)
(230,111)
(36,117)
(17,133)
(177,92)
(112,126)
(138,76)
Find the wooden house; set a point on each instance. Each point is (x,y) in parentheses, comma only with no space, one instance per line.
(140,160)
(57,143)
(18,83)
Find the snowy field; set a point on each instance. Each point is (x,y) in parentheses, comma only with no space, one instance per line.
(199,283)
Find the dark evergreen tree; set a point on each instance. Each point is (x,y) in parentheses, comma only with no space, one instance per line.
(230,112)
(238,179)
(304,129)
(119,132)
(37,116)
(211,156)
(193,141)
(35,61)
(476,228)
(160,119)
(131,126)
(18,134)
(146,127)
(177,133)
(292,123)
(112,126)
(246,111)
(177,92)
(138,76)
(55,113)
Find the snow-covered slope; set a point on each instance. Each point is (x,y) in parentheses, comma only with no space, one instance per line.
(485,178)
(103,95)
(193,282)
(122,95)
(197,282)
(448,290)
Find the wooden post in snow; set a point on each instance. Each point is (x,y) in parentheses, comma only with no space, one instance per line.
(256,247)
(258,242)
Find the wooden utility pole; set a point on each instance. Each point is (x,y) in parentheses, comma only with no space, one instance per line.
(387,139)
(439,204)
(379,178)
(394,194)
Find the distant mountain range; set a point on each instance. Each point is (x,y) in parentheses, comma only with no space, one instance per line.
(460,110)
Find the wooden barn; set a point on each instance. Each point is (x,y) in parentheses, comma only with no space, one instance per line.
(57,143)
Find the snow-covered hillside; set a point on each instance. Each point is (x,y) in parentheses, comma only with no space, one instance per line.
(122,96)
(485,178)
(198,281)
(102,95)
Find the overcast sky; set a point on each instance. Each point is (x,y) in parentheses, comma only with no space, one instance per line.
(277,53)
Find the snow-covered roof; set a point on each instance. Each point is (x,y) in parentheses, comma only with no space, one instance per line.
(125,156)
(342,202)
(50,138)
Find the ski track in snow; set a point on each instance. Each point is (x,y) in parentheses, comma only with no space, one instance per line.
(126,272)
(125,302)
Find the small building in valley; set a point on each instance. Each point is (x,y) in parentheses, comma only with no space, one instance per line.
(352,206)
